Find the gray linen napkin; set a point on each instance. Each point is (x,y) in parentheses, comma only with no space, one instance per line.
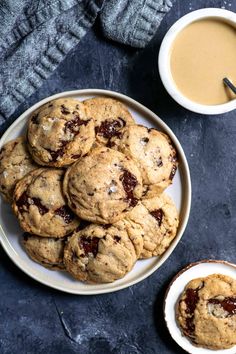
(36,35)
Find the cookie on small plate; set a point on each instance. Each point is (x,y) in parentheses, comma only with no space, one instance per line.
(40,206)
(206,311)
(109,117)
(15,163)
(99,254)
(60,132)
(156,220)
(47,251)
(103,186)
(154,153)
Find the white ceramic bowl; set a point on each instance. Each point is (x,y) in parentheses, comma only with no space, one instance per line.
(164,60)
(175,289)
(180,191)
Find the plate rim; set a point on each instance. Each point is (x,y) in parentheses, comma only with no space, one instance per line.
(187,179)
(183,270)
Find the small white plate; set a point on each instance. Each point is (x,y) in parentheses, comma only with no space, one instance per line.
(180,191)
(176,287)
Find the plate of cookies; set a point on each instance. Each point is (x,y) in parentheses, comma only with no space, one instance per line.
(95,191)
(200,307)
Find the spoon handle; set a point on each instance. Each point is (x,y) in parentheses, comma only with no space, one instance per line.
(228,83)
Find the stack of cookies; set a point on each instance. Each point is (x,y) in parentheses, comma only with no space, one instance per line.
(86,185)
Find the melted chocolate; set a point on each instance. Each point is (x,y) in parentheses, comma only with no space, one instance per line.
(64,109)
(74,124)
(34,119)
(228,304)
(129,182)
(24,202)
(117,238)
(159,162)
(145,140)
(158,215)
(65,213)
(73,127)
(110,144)
(89,244)
(191,301)
(110,128)
(106,226)
(59,152)
(42,209)
(174,157)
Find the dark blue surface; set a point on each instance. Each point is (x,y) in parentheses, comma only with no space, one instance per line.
(129,321)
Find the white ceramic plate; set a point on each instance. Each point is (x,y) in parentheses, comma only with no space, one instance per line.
(180,191)
(176,287)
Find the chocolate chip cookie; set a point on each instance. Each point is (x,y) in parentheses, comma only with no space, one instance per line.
(47,251)
(40,206)
(60,132)
(153,151)
(15,163)
(206,311)
(156,220)
(99,254)
(103,186)
(109,117)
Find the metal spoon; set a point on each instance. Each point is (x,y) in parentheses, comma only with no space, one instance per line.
(228,83)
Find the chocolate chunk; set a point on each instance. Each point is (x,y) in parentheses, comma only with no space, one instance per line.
(228,304)
(89,244)
(110,144)
(34,119)
(172,173)
(159,162)
(191,301)
(110,128)
(64,109)
(145,140)
(158,215)
(24,202)
(190,325)
(106,226)
(56,154)
(65,213)
(59,152)
(174,157)
(42,209)
(73,127)
(129,182)
(117,238)
(74,124)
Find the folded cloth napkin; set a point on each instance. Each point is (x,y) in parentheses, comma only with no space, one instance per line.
(36,35)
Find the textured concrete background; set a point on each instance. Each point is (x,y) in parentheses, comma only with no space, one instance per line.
(129,321)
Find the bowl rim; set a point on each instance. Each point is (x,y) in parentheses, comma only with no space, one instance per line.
(164,60)
(187,201)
